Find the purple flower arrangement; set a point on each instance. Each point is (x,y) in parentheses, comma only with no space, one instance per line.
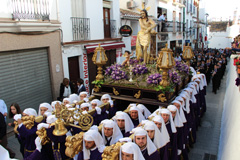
(174,76)
(140,69)
(182,67)
(154,78)
(115,72)
(135,61)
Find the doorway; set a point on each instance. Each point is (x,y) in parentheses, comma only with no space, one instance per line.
(73,67)
(106,22)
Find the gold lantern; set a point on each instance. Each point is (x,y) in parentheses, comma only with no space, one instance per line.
(99,58)
(187,54)
(165,62)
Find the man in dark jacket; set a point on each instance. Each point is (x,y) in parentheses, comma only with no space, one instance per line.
(3,135)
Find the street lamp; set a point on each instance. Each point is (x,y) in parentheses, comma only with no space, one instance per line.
(165,62)
(99,58)
(187,54)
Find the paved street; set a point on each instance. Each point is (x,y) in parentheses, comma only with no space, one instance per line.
(206,147)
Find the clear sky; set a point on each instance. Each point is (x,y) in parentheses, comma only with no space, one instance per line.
(221,8)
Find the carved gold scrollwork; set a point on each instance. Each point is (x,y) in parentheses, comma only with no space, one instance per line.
(42,134)
(115,91)
(74,144)
(96,89)
(138,94)
(112,152)
(162,98)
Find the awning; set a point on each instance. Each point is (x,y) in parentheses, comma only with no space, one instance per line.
(106,46)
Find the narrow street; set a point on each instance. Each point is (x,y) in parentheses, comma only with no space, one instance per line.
(206,147)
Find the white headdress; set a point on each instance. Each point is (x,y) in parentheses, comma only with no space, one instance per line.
(160,140)
(84,92)
(140,115)
(86,105)
(163,129)
(144,110)
(151,148)
(177,120)
(74,97)
(54,103)
(67,99)
(117,134)
(128,122)
(97,101)
(166,111)
(181,113)
(47,105)
(106,96)
(30,112)
(92,135)
(131,148)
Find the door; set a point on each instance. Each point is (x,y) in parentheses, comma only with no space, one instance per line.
(73,67)
(25,78)
(106,21)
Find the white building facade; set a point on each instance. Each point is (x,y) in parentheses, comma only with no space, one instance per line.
(85,24)
(180,28)
(30,52)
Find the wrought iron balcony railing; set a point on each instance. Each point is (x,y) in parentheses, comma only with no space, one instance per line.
(30,9)
(80,28)
(170,26)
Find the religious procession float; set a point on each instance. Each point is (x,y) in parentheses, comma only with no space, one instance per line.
(149,79)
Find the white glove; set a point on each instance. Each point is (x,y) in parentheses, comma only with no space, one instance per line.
(111,102)
(75,101)
(179,151)
(84,112)
(98,110)
(107,112)
(86,99)
(38,144)
(41,125)
(68,133)
(17,117)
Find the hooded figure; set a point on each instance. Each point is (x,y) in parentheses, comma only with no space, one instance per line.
(131,148)
(144,110)
(149,151)
(172,134)
(54,103)
(116,134)
(74,97)
(128,124)
(28,136)
(112,110)
(95,151)
(45,107)
(136,119)
(179,126)
(164,133)
(159,139)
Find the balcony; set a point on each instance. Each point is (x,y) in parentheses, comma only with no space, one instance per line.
(170,26)
(31,9)
(80,28)
(179,26)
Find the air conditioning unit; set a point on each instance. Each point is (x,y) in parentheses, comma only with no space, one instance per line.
(131,4)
